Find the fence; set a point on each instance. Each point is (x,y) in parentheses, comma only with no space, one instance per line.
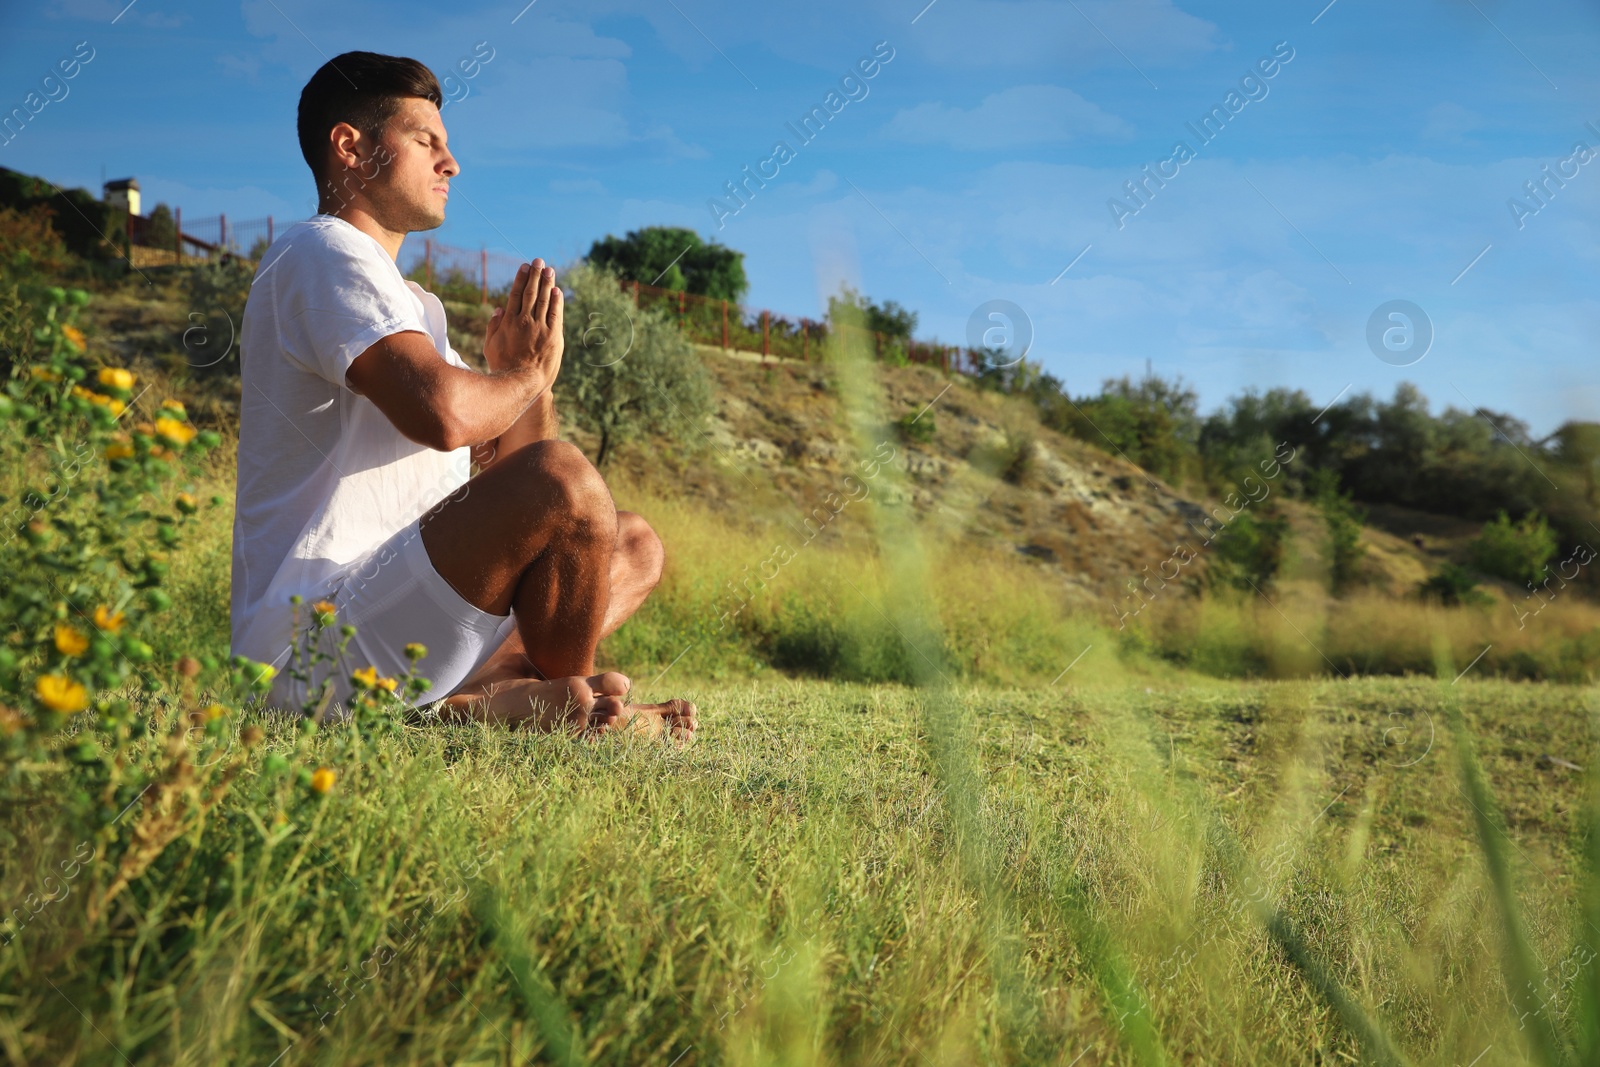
(155,241)
(729,325)
(479,275)
(464,274)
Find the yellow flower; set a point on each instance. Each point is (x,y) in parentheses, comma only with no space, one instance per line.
(105,620)
(386,684)
(60,694)
(367,679)
(84,394)
(117,407)
(415,651)
(115,378)
(213,711)
(176,407)
(187,503)
(44,374)
(119,450)
(75,336)
(179,433)
(322,780)
(324,607)
(69,641)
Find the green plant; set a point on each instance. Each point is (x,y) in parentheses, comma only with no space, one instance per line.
(1453,585)
(1009,456)
(217,291)
(1517,551)
(1343,520)
(915,429)
(675,258)
(893,322)
(1248,551)
(627,371)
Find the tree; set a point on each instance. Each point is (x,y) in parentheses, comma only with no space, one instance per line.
(627,371)
(1153,422)
(674,258)
(1577,446)
(894,323)
(159,230)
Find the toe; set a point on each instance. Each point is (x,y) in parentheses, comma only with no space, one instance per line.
(606,713)
(611,683)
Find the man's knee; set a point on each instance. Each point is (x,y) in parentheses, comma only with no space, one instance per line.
(641,546)
(569,482)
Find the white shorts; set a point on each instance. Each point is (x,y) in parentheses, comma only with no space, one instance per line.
(393,598)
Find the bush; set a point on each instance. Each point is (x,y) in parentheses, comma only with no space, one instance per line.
(1249,551)
(1010,457)
(1516,552)
(1454,586)
(915,430)
(217,293)
(1343,520)
(627,371)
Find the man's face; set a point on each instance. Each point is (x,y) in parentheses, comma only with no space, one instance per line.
(414,168)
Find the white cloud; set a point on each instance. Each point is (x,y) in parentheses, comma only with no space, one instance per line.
(1020,115)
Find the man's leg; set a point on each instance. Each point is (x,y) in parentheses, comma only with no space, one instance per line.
(538,534)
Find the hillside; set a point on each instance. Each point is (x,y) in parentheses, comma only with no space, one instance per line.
(989,476)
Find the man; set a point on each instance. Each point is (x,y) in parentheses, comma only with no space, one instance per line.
(357,428)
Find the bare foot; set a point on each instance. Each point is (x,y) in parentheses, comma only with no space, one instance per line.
(592,705)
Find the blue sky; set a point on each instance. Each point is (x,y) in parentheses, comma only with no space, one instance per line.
(1375,165)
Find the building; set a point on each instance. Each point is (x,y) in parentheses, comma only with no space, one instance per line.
(123,193)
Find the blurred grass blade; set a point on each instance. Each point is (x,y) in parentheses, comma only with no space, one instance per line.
(1128,1007)
(1586,1006)
(1286,934)
(1522,968)
(549,1012)
(1373,1039)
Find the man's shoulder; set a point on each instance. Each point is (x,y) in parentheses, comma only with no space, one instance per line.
(323,236)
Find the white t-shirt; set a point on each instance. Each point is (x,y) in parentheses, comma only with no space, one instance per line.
(324,476)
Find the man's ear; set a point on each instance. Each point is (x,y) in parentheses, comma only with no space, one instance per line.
(347,144)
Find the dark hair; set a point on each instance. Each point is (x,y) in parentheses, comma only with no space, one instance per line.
(363,89)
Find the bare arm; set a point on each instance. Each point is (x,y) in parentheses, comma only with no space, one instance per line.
(446,407)
(538,423)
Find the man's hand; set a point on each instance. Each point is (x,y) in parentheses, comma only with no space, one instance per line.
(446,407)
(527,332)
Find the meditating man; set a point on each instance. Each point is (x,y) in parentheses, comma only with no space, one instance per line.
(358,427)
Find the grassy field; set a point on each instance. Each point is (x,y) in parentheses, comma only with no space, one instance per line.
(932,817)
(796,888)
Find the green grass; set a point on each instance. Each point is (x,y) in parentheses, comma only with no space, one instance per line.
(788,889)
(949,848)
